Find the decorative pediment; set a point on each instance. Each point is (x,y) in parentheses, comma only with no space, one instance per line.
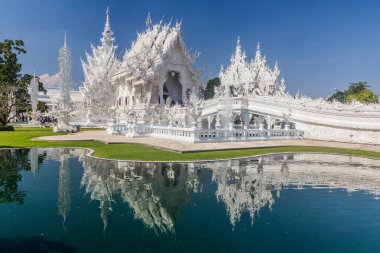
(159,45)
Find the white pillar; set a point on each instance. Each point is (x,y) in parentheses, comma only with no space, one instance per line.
(269,127)
(245,118)
(183,92)
(161,90)
(269,122)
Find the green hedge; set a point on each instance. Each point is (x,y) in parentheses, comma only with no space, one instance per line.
(7,128)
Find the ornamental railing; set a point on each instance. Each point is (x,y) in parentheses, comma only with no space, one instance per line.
(213,135)
(203,135)
(354,116)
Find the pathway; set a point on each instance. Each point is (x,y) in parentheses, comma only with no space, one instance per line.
(185,147)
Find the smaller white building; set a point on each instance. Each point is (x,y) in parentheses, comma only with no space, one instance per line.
(52,98)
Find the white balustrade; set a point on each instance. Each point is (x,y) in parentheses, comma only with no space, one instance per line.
(202,135)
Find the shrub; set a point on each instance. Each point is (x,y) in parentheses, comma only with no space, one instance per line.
(7,128)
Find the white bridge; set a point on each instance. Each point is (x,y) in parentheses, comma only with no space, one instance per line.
(317,119)
(263,118)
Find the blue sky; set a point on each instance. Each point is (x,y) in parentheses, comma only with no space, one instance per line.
(319,45)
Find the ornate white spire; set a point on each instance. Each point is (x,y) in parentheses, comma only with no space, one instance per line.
(256,77)
(237,74)
(98,68)
(34,93)
(148,20)
(238,46)
(239,55)
(258,50)
(65,41)
(107,39)
(65,80)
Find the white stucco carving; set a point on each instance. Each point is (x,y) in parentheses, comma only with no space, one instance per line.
(98,91)
(153,91)
(64,108)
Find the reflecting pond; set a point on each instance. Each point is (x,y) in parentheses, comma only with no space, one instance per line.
(59,200)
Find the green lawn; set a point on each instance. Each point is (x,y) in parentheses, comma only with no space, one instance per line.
(21,138)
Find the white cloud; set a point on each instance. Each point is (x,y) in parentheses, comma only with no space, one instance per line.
(50,81)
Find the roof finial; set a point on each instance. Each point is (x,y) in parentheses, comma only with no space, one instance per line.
(107,38)
(148,20)
(107,26)
(238,46)
(65,41)
(258,52)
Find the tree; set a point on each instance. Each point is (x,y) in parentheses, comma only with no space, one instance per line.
(355,88)
(359,91)
(339,96)
(364,96)
(14,97)
(42,107)
(13,162)
(208,92)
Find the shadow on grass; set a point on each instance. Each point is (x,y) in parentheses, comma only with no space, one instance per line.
(33,244)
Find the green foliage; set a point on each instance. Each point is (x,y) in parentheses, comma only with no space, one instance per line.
(13,161)
(7,128)
(339,96)
(364,96)
(359,91)
(208,92)
(14,97)
(355,88)
(42,107)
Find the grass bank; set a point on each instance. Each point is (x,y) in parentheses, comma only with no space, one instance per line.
(21,138)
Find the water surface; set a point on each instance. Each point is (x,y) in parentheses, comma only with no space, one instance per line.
(58,200)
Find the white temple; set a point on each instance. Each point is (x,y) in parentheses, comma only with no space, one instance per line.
(154,91)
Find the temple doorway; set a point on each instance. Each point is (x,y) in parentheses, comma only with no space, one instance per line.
(172,88)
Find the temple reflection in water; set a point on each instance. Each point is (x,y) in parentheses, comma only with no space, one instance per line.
(158,192)
(247,185)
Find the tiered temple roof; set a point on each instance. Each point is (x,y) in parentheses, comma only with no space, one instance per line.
(153,47)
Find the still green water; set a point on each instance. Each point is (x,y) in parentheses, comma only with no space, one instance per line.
(57,200)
